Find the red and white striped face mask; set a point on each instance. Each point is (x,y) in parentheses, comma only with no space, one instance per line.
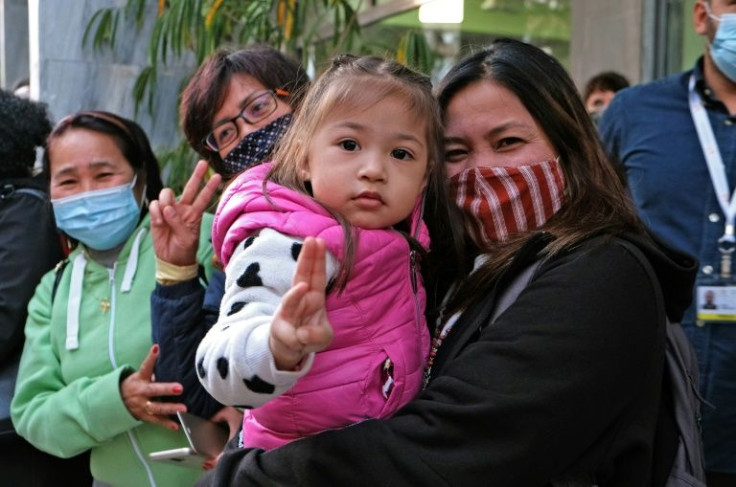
(501,201)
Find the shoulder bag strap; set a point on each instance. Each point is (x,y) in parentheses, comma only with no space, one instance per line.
(512,292)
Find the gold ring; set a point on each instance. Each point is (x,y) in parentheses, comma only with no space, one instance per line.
(147,408)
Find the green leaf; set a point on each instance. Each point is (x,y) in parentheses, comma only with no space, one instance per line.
(113,34)
(154,43)
(180,30)
(146,82)
(136,9)
(96,19)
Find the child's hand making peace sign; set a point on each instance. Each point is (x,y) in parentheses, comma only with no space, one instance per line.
(300,325)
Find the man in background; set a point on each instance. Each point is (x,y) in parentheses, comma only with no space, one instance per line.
(599,91)
(676,141)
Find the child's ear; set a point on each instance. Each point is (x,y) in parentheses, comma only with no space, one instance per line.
(304,173)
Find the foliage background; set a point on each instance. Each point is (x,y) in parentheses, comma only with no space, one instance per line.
(308,30)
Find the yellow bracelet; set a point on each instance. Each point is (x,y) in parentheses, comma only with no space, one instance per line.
(168,274)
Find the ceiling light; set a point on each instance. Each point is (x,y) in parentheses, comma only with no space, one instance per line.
(441,12)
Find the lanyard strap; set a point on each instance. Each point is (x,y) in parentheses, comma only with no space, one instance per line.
(717,170)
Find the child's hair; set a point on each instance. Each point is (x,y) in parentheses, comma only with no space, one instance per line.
(352,83)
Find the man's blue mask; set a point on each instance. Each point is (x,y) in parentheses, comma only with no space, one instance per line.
(723,47)
(101,219)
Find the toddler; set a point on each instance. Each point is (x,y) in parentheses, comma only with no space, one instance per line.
(352,172)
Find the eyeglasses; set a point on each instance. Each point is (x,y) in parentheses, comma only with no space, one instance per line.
(260,107)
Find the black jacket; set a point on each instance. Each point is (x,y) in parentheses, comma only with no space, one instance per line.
(29,247)
(565,385)
(181,315)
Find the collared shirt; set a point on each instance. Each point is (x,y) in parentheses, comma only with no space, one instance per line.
(649,129)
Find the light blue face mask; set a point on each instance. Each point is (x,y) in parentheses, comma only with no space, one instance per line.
(101,219)
(723,47)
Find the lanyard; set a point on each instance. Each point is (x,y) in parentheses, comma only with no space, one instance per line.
(727,242)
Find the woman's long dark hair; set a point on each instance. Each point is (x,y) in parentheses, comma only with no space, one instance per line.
(595,200)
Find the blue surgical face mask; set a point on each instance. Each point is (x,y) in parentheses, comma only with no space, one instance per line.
(100,219)
(723,47)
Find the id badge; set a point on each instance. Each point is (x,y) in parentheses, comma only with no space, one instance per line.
(716,303)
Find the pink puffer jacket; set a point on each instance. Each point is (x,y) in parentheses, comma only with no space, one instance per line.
(380,334)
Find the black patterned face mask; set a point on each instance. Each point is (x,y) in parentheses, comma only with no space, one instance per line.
(255,147)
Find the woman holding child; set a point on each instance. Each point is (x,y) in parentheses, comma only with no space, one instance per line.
(563,387)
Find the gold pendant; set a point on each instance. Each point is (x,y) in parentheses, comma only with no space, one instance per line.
(105,305)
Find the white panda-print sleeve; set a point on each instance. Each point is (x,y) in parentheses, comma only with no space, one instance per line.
(234,362)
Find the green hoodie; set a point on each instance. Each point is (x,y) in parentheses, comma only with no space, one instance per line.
(67,397)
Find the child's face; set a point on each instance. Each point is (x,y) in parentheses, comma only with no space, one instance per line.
(369,164)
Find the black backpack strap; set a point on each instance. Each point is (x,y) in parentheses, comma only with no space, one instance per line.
(58,272)
(33,192)
(7,190)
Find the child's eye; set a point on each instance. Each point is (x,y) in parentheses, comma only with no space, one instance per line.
(349,145)
(401,154)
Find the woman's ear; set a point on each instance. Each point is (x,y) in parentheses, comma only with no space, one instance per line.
(140,185)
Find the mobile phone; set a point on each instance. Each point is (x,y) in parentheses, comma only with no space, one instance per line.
(206,440)
(183,457)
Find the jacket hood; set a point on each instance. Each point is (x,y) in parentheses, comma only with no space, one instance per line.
(675,270)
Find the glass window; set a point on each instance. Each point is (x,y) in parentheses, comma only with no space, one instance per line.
(692,43)
(676,45)
(544,23)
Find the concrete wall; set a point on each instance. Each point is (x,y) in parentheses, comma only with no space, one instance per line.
(74,77)
(13,41)
(606,36)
